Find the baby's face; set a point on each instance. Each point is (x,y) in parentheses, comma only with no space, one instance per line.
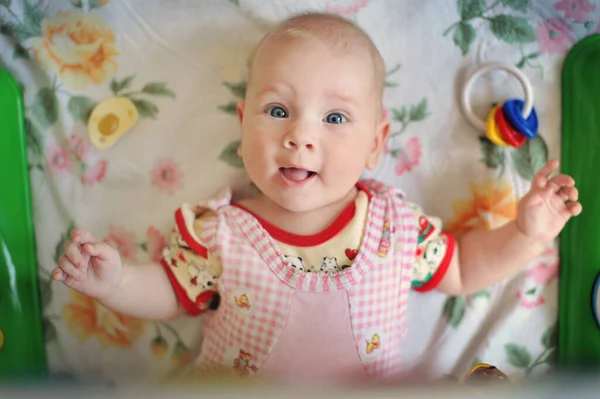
(310,123)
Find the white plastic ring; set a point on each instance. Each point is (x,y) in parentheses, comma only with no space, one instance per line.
(466,105)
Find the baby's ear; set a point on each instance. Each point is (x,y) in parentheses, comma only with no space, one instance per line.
(239,108)
(382,132)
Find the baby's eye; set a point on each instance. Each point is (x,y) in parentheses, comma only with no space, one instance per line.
(277,112)
(335,118)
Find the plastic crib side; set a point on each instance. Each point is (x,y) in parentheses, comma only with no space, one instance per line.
(578,333)
(22,350)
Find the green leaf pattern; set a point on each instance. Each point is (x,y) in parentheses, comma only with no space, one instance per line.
(468,9)
(464,36)
(530,157)
(512,29)
(229,155)
(517,5)
(45,108)
(80,107)
(518,356)
(526,160)
(505,19)
(454,310)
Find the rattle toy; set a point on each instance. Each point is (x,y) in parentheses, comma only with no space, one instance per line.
(511,123)
(482,372)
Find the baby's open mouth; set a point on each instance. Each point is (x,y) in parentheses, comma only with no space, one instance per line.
(296,174)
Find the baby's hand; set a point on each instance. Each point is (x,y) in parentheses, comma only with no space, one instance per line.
(544,211)
(89,266)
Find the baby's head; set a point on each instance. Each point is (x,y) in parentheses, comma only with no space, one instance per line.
(312,119)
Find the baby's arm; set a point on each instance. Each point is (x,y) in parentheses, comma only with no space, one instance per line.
(485,257)
(95,269)
(145,292)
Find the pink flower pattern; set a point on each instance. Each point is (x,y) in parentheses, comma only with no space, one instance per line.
(78,148)
(166,176)
(347,8)
(95,173)
(57,159)
(122,240)
(156,243)
(409,157)
(538,276)
(385,112)
(92,170)
(554,36)
(576,10)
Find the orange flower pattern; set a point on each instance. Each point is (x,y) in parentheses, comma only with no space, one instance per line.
(493,204)
(78,46)
(86,319)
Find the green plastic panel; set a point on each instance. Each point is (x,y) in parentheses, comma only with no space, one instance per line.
(22,352)
(579,335)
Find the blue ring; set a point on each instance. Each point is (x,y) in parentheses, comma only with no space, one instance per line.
(512,110)
(595,293)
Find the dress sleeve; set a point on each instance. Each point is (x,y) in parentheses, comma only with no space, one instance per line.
(192,268)
(435,249)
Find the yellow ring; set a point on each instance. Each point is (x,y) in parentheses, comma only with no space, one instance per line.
(492,131)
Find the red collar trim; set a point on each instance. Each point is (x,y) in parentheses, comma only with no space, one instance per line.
(314,239)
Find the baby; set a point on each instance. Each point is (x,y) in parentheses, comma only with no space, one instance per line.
(309,279)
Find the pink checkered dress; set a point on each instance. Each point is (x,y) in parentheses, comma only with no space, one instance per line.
(257,287)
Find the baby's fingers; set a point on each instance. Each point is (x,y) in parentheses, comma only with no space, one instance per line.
(74,254)
(82,236)
(99,250)
(543,175)
(66,272)
(573,208)
(560,181)
(568,193)
(59,275)
(67,267)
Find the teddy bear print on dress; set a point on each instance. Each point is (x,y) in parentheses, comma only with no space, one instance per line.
(296,263)
(330,265)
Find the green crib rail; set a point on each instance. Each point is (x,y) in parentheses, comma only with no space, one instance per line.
(578,333)
(22,350)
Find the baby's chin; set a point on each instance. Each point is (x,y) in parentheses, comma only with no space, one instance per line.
(309,203)
(299,205)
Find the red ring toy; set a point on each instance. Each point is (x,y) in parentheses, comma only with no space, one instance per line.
(509,134)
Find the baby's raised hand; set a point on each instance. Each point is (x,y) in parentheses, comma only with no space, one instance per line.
(89,266)
(548,205)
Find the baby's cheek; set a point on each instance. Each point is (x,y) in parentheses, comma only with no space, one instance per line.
(345,164)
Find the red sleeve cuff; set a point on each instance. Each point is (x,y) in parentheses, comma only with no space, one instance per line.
(184,230)
(439,274)
(194,308)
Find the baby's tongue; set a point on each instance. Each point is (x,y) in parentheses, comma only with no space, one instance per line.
(295,174)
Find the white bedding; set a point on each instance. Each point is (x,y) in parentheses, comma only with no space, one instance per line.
(186,61)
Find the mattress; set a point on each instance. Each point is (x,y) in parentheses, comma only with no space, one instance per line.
(184,65)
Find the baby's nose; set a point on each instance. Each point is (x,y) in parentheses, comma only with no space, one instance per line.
(295,143)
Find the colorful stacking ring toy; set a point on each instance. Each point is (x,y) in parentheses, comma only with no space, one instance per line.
(509,134)
(492,132)
(527,126)
(511,123)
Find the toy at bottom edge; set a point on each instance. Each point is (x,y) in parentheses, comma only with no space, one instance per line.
(483,372)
